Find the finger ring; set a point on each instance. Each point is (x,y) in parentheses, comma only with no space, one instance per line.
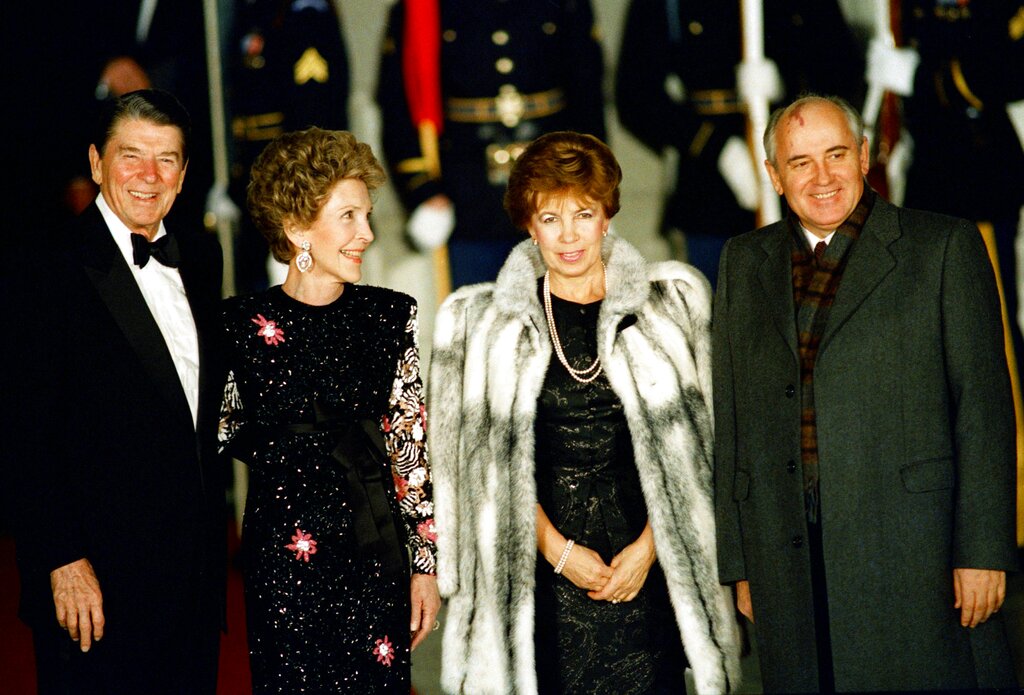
(615,600)
(437,624)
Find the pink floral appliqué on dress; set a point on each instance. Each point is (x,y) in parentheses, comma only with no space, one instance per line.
(269,330)
(401,486)
(302,545)
(426,530)
(384,651)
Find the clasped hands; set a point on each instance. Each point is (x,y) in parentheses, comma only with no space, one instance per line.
(619,581)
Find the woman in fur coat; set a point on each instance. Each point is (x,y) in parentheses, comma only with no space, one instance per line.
(572,436)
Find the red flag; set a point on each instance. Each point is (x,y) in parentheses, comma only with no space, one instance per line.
(421,61)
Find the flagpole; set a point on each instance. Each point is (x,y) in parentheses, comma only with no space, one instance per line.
(757,107)
(218,126)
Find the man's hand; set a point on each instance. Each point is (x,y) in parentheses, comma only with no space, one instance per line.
(629,570)
(426,603)
(979,594)
(743,603)
(79,602)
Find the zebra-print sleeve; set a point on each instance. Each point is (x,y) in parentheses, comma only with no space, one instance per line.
(405,432)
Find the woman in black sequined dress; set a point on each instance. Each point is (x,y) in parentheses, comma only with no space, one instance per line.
(572,439)
(324,403)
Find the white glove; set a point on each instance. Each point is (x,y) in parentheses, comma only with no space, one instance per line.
(759,80)
(220,205)
(737,168)
(900,159)
(892,68)
(431,223)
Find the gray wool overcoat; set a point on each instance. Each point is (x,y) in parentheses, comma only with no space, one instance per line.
(916,444)
(490,354)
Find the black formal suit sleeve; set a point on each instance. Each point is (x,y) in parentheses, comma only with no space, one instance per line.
(44,473)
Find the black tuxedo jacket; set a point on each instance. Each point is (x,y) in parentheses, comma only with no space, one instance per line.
(104,461)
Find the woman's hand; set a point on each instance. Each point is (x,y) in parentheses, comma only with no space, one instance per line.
(586,569)
(583,567)
(426,603)
(629,570)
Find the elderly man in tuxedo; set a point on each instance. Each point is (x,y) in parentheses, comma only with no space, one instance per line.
(864,429)
(117,500)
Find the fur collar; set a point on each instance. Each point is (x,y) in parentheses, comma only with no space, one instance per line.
(515,291)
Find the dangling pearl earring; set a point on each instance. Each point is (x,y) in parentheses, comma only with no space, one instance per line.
(535,241)
(304,260)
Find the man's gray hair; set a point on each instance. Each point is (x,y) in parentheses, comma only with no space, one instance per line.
(853,119)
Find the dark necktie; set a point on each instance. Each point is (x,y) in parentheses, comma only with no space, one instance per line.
(819,251)
(164,250)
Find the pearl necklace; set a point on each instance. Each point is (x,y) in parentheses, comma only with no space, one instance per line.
(584,376)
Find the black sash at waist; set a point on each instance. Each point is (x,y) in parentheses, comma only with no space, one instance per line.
(363,459)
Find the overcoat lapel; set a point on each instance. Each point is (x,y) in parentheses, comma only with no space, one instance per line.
(870,261)
(776,275)
(112,278)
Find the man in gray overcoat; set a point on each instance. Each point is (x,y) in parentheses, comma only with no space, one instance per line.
(864,430)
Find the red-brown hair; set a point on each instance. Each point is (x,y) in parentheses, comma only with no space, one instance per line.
(562,163)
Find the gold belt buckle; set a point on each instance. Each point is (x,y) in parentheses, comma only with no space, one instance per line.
(511,105)
(500,159)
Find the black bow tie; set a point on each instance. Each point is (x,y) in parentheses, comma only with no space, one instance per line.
(164,250)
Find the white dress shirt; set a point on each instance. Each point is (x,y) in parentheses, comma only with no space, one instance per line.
(813,238)
(165,296)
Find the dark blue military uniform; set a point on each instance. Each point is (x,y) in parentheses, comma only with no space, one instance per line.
(676,87)
(967,158)
(511,70)
(288,70)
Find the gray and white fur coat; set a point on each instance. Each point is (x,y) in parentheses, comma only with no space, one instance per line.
(490,355)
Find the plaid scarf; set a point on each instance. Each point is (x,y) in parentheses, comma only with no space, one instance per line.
(815,283)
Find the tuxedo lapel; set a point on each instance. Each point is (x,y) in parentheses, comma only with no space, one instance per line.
(776,276)
(200,293)
(870,261)
(110,275)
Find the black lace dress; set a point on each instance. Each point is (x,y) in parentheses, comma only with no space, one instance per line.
(311,389)
(588,485)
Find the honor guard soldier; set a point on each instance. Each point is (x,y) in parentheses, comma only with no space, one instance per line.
(967,158)
(464,86)
(676,88)
(289,70)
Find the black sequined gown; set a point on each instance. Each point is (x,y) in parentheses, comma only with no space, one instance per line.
(588,485)
(324,617)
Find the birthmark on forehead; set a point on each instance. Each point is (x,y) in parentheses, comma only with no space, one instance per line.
(798,117)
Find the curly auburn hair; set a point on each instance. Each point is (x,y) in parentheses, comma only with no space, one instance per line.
(294,175)
(562,162)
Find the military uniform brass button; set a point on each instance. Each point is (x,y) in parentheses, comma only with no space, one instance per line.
(549,28)
(798,541)
(504,65)
(500,37)
(696,28)
(449,35)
